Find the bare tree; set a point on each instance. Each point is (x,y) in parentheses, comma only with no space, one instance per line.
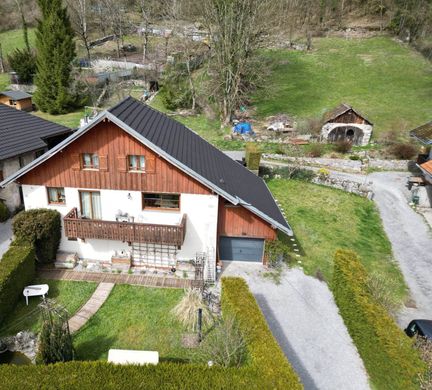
(115,13)
(79,10)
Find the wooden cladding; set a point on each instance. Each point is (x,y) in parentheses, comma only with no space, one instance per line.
(113,146)
(349,117)
(237,221)
(75,227)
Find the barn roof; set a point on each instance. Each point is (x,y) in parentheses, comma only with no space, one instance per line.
(423,133)
(342,109)
(16,95)
(21,132)
(189,152)
(427,167)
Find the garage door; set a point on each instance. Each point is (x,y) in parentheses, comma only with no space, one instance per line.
(241,249)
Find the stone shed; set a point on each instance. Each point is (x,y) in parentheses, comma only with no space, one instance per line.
(344,123)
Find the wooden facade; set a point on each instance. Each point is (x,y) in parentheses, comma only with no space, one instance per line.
(113,145)
(350,117)
(236,221)
(22,104)
(76,227)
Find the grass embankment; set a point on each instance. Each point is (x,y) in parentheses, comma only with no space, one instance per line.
(14,39)
(387,81)
(326,219)
(71,120)
(72,295)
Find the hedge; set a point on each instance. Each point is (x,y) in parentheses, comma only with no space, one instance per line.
(4,212)
(17,269)
(41,228)
(267,369)
(388,354)
(266,356)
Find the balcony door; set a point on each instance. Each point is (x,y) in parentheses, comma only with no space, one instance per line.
(91,204)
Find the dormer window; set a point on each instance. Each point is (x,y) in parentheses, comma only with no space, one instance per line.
(136,163)
(90,161)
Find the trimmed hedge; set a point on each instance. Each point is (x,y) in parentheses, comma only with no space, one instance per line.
(17,269)
(41,228)
(4,212)
(266,356)
(388,354)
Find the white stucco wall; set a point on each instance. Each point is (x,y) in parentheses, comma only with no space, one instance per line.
(367,130)
(201,225)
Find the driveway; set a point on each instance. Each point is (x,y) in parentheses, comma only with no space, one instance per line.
(5,236)
(411,240)
(305,320)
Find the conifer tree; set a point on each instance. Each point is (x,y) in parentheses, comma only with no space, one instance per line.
(55,52)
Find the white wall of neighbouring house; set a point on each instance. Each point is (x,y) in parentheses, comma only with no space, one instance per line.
(201,225)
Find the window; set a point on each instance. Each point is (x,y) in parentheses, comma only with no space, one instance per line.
(21,161)
(161,201)
(90,204)
(136,163)
(90,161)
(56,195)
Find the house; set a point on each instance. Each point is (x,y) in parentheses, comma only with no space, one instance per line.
(17,99)
(344,123)
(137,183)
(23,137)
(423,134)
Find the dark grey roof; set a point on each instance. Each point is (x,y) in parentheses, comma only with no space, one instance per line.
(21,132)
(423,133)
(199,156)
(16,95)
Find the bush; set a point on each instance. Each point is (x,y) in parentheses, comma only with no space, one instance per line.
(23,62)
(17,269)
(403,151)
(288,172)
(264,351)
(4,212)
(343,146)
(253,156)
(316,150)
(41,228)
(388,354)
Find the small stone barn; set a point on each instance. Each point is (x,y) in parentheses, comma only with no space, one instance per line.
(346,124)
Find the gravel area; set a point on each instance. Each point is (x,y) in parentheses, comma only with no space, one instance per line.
(5,236)
(305,320)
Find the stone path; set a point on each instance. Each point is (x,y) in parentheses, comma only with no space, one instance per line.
(98,298)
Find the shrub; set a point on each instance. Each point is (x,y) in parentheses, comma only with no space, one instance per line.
(288,172)
(41,228)
(264,351)
(343,146)
(388,354)
(225,345)
(17,269)
(253,156)
(403,151)
(316,150)
(23,62)
(186,310)
(4,212)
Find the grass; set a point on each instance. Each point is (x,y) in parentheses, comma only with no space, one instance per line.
(4,81)
(326,219)
(71,120)
(133,318)
(387,81)
(72,295)
(14,39)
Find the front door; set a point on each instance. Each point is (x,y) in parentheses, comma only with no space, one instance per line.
(91,204)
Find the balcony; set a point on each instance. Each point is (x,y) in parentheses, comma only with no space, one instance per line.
(83,228)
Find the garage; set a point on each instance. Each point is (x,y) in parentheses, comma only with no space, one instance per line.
(241,249)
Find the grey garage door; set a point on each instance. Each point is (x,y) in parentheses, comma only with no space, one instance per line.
(241,249)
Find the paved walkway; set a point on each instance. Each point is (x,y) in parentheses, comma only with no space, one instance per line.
(305,320)
(106,277)
(5,236)
(98,298)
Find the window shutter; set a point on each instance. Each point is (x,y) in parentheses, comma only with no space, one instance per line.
(75,162)
(150,165)
(122,163)
(103,163)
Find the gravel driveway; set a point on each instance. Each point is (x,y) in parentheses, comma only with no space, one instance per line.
(5,236)
(411,240)
(305,320)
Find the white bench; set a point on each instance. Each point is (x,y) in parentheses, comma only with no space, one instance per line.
(127,356)
(35,291)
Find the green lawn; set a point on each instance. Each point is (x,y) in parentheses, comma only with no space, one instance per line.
(325,219)
(133,318)
(14,39)
(71,120)
(72,295)
(387,81)
(4,81)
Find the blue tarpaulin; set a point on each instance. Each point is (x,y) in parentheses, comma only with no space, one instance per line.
(243,128)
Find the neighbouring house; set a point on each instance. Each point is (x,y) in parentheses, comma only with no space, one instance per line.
(18,99)
(344,123)
(23,137)
(423,134)
(137,183)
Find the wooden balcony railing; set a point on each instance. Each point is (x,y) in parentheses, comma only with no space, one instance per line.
(83,228)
